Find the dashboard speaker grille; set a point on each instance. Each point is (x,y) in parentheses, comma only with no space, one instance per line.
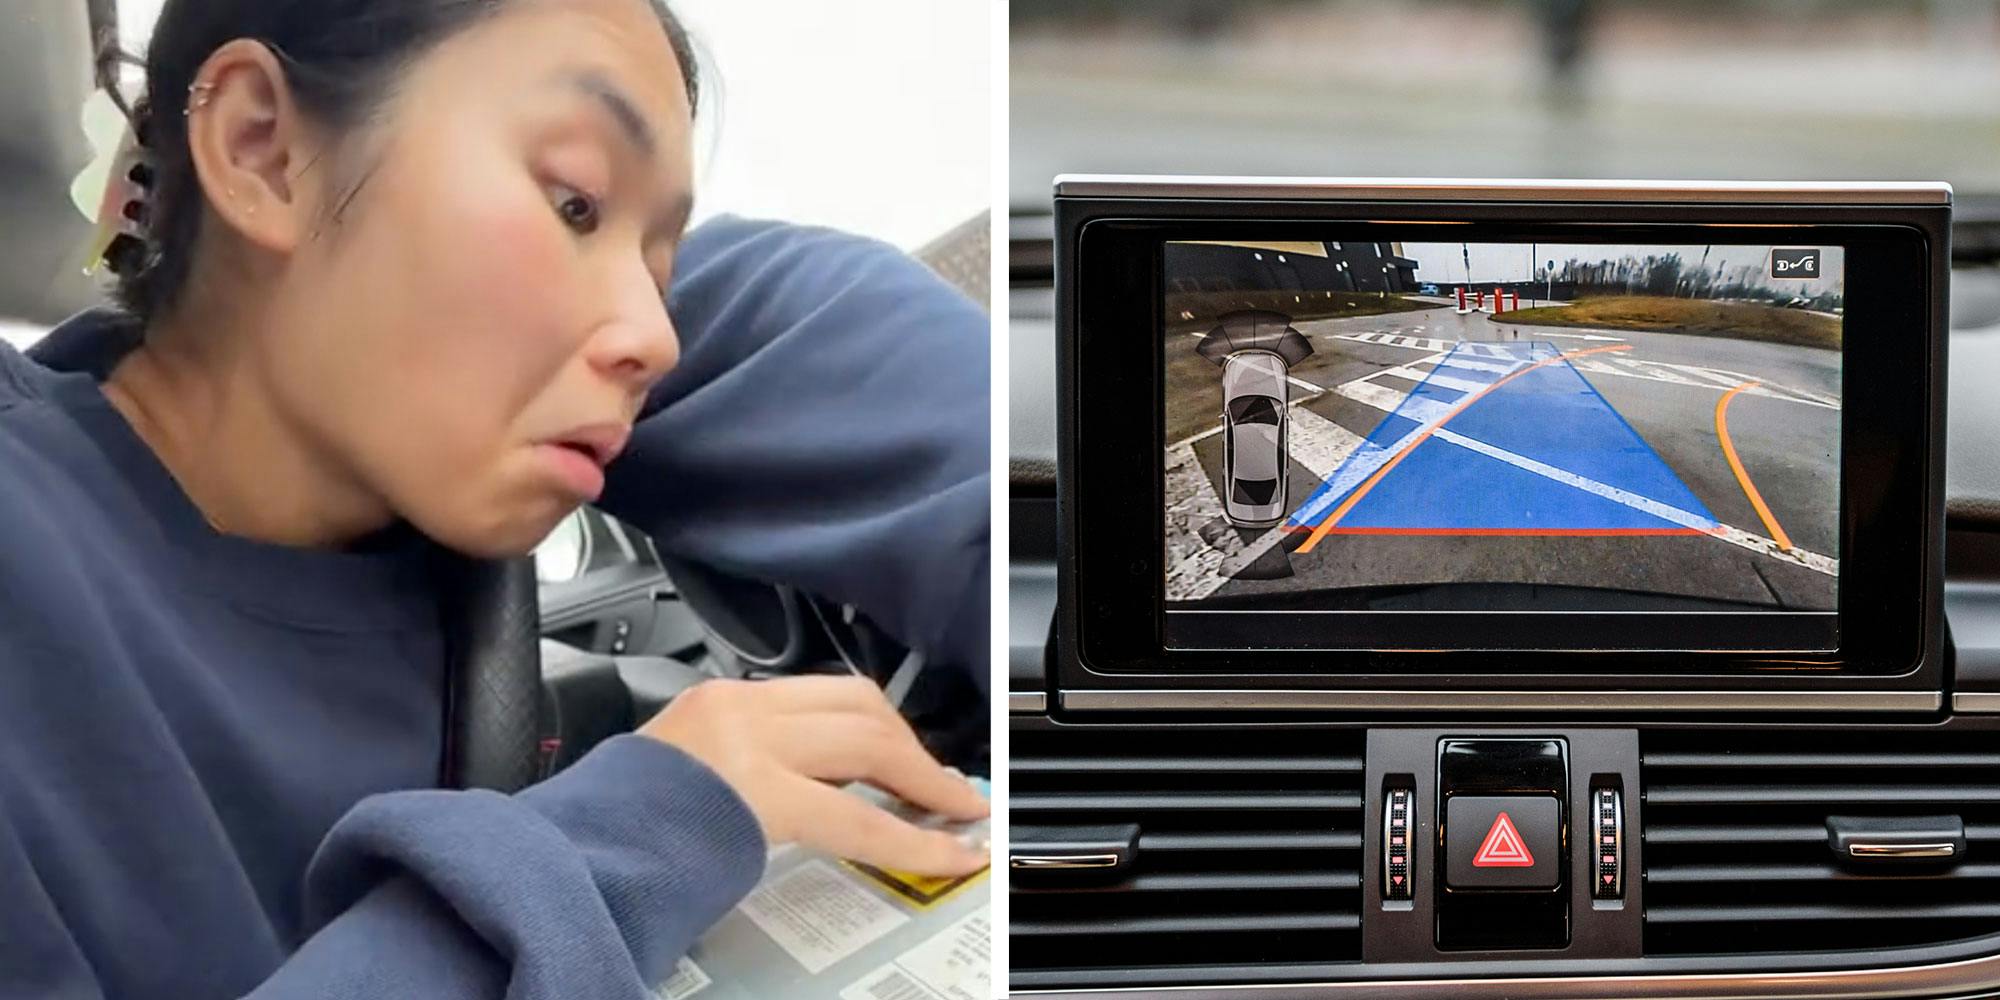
(1738,856)
(1247,850)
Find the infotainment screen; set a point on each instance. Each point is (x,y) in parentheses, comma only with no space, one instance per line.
(1498,427)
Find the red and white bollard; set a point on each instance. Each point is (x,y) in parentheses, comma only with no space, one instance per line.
(1462,307)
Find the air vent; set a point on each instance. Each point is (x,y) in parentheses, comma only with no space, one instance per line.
(1246,850)
(1739,847)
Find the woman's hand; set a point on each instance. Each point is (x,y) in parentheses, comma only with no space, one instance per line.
(777,743)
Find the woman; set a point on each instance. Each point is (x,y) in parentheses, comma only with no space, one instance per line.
(401,289)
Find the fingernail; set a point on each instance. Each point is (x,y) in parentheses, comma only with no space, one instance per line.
(976,840)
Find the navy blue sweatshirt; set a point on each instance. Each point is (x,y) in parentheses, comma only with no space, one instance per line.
(217,755)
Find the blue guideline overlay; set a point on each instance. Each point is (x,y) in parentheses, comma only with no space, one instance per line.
(1570,462)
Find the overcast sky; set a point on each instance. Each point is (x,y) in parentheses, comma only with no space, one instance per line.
(870,117)
(1510,261)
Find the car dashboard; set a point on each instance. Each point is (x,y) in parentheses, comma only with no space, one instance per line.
(1746,849)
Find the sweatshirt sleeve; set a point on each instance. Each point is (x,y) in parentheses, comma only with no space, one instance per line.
(827,427)
(590,884)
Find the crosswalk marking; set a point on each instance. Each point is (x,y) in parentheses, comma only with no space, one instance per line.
(1192,564)
(1382,397)
(1320,444)
(1431,344)
(1436,378)
(1475,365)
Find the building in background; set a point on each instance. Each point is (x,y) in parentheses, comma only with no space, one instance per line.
(1290,266)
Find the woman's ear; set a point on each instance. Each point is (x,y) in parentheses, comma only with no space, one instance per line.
(251,147)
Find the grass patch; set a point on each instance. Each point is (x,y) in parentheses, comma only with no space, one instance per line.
(1207,308)
(1651,313)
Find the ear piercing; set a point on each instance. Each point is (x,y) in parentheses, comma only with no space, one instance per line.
(199,94)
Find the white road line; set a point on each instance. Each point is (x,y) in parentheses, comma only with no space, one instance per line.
(1718,379)
(1627,498)
(1646,369)
(1303,384)
(1758,543)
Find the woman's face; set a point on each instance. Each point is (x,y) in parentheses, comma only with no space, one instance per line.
(493,295)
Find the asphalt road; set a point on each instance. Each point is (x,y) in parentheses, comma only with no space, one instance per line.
(1560,453)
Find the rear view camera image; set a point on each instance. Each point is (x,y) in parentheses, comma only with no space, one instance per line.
(1502,427)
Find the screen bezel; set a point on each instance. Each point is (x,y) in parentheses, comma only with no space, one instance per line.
(1115,287)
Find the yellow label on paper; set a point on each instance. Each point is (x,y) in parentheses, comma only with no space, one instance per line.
(921,891)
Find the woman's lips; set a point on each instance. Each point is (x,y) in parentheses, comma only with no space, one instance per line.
(579,473)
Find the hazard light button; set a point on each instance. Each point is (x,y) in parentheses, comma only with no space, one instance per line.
(1502,842)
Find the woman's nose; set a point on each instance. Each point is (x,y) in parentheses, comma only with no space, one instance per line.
(640,345)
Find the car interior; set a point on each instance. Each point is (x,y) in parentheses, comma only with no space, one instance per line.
(1185,841)
(549,654)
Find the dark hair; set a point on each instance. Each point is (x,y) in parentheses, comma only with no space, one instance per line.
(341,59)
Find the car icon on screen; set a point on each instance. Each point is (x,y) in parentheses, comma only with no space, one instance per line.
(1253,438)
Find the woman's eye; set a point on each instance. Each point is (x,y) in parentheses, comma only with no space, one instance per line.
(578,210)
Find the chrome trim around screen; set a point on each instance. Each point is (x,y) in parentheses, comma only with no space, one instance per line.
(1504,189)
(1506,701)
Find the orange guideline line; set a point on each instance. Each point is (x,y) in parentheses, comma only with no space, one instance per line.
(1360,491)
(1736,465)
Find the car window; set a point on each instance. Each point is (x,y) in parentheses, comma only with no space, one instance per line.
(1253,410)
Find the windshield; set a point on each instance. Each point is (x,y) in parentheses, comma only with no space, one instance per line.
(1765,89)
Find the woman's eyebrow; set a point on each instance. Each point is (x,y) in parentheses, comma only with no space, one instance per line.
(623,110)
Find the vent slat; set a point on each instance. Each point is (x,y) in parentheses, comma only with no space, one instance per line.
(1774,834)
(1236,923)
(1824,912)
(1217,802)
(1709,795)
(1179,764)
(1820,760)
(1171,842)
(1219,882)
(1754,874)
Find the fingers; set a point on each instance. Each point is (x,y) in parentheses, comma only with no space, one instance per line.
(844,746)
(848,827)
(825,693)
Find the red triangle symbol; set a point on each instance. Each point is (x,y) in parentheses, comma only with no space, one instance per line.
(1503,847)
